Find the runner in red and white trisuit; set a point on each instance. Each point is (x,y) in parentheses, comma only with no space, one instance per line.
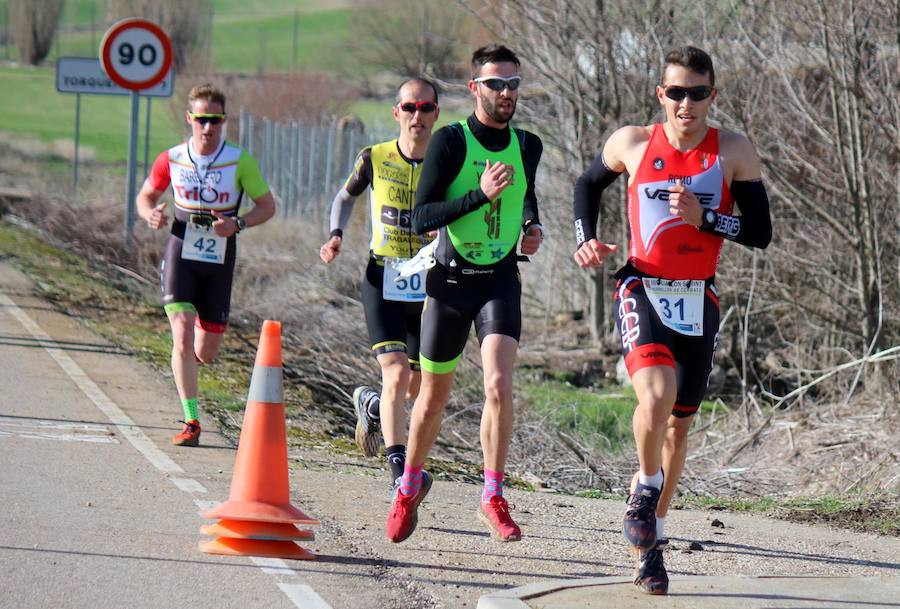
(208,177)
(685,177)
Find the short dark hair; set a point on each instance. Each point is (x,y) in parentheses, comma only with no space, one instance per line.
(211,94)
(492,53)
(693,59)
(421,81)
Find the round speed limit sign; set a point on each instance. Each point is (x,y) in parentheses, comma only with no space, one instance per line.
(136,54)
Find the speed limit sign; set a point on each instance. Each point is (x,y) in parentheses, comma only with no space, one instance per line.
(136,54)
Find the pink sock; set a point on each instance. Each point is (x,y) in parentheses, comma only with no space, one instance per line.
(493,485)
(411,480)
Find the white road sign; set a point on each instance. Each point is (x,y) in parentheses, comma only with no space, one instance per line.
(85,75)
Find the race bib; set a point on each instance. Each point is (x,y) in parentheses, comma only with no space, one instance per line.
(201,243)
(397,287)
(678,303)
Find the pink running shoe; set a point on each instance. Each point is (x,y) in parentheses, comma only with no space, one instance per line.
(495,514)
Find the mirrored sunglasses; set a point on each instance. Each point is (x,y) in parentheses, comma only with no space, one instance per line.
(421,106)
(212,119)
(495,83)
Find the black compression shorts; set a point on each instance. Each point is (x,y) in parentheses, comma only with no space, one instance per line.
(205,286)
(647,342)
(489,297)
(393,325)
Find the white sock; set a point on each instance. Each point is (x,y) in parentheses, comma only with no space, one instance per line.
(660,527)
(656,480)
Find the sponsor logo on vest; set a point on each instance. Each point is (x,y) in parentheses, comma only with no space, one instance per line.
(477,271)
(207,195)
(492,219)
(686,180)
(658,164)
(684,249)
(705,198)
(391,216)
(401,195)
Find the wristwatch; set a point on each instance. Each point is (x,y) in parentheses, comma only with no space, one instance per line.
(709,219)
(241,223)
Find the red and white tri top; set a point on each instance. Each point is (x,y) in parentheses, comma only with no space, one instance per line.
(663,245)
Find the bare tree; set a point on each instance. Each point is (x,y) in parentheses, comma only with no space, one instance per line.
(425,37)
(185,21)
(813,85)
(34,24)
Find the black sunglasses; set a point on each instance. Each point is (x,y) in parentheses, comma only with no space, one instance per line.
(212,119)
(695,93)
(422,106)
(495,83)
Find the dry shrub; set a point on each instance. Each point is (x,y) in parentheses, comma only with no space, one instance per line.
(278,97)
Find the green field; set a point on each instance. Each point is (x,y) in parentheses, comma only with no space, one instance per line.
(249,36)
(246,36)
(31,105)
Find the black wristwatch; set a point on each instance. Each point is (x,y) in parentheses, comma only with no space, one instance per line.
(241,223)
(709,219)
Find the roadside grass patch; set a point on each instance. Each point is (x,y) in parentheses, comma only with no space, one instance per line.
(600,417)
(869,511)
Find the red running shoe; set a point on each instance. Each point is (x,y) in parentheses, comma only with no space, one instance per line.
(404,515)
(190,435)
(495,514)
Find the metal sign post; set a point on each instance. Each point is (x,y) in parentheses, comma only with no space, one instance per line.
(85,76)
(136,54)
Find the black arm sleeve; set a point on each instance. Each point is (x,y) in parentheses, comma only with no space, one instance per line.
(753,227)
(587,198)
(532,149)
(444,159)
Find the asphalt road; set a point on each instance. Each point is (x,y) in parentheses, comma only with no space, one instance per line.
(100,510)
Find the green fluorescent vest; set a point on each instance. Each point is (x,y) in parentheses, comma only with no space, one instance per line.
(486,235)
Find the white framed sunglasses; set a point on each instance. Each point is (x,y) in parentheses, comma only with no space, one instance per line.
(497,83)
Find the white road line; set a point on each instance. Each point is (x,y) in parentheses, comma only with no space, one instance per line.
(188,485)
(273,566)
(45,424)
(76,437)
(122,422)
(302,595)
(206,505)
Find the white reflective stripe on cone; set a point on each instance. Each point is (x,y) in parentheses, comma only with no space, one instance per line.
(265,385)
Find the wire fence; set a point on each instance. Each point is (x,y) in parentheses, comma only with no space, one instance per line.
(305,163)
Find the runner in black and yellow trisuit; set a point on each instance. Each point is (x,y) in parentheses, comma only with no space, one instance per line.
(393,305)
(477,188)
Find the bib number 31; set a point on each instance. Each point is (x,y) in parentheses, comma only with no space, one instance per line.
(678,303)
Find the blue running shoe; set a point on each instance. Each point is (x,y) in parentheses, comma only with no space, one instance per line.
(639,525)
(651,576)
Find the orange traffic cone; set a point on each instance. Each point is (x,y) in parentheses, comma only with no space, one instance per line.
(260,497)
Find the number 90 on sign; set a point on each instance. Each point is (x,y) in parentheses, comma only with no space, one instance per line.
(136,54)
